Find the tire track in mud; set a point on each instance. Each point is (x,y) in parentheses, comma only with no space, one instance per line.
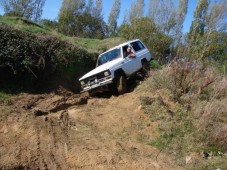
(57,129)
(99,134)
(39,154)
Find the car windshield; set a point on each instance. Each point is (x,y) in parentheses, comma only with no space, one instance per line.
(109,56)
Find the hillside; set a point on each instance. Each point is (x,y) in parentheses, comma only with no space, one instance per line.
(34,56)
(92,45)
(175,119)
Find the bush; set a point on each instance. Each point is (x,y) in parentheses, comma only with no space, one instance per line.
(29,59)
(155,65)
(188,102)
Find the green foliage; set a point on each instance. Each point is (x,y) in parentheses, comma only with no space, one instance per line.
(97,45)
(175,127)
(30,9)
(3,96)
(187,103)
(27,58)
(74,20)
(50,24)
(216,49)
(166,16)
(114,14)
(207,36)
(198,25)
(146,30)
(154,64)
(136,10)
(24,24)
(6,99)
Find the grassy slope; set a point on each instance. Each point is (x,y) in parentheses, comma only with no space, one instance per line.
(191,123)
(91,45)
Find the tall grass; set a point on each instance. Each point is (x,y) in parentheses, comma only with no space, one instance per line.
(188,102)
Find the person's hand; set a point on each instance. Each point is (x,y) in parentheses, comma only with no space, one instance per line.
(132,55)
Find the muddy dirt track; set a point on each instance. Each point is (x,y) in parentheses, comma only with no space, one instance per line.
(68,131)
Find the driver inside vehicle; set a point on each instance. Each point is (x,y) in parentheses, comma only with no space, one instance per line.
(129,53)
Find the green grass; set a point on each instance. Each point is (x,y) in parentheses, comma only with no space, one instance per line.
(12,21)
(3,96)
(24,24)
(96,45)
(91,45)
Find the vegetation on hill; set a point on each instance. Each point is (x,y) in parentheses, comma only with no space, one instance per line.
(24,24)
(35,59)
(188,104)
(34,55)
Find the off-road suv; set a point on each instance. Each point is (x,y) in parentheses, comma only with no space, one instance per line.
(113,68)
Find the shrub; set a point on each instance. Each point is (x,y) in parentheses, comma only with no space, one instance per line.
(188,102)
(28,59)
(155,65)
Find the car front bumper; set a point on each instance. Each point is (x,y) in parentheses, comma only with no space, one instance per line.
(96,85)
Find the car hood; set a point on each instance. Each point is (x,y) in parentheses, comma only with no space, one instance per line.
(107,66)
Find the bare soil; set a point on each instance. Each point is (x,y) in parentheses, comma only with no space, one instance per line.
(62,130)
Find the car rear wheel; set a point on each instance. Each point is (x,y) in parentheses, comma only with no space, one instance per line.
(121,84)
(145,68)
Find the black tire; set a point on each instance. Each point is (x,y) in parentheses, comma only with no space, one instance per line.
(121,84)
(91,94)
(145,68)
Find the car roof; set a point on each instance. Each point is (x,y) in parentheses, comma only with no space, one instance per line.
(121,45)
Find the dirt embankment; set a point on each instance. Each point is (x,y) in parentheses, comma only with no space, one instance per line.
(67,131)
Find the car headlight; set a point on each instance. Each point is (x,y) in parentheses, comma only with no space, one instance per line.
(82,83)
(106,73)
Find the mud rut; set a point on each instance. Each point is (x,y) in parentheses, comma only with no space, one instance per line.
(67,131)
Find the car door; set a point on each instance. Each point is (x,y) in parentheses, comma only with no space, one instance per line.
(140,49)
(130,65)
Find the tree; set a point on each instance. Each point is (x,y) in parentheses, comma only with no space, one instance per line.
(50,23)
(145,29)
(179,20)
(75,20)
(89,7)
(98,10)
(38,10)
(197,30)
(114,14)
(163,12)
(181,14)
(136,10)
(97,14)
(215,37)
(198,25)
(68,16)
(207,36)
(169,18)
(31,9)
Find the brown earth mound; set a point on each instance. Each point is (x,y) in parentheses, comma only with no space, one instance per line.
(66,131)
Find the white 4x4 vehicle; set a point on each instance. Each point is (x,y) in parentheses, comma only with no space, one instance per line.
(113,68)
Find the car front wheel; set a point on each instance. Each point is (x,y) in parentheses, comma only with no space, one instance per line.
(121,84)
(145,68)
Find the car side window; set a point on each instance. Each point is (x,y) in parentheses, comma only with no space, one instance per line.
(125,50)
(137,46)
